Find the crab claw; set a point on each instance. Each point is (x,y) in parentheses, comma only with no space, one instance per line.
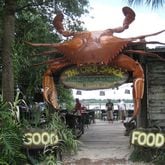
(49,90)
(129,16)
(57,22)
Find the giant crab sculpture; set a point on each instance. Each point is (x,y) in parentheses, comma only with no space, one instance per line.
(96,47)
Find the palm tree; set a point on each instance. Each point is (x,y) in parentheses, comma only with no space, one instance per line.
(152,3)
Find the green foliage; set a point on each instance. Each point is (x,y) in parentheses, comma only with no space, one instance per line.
(34,23)
(30,28)
(67,142)
(65,96)
(159,157)
(50,159)
(152,155)
(11,136)
(66,137)
(152,3)
(140,154)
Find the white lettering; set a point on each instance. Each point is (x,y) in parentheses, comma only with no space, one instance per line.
(159,142)
(45,138)
(142,139)
(36,138)
(42,138)
(150,140)
(53,138)
(28,139)
(135,135)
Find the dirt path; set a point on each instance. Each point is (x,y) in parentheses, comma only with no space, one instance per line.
(103,144)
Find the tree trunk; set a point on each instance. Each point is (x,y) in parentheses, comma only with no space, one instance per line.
(7,44)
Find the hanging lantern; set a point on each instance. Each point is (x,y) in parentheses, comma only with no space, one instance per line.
(78,93)
(127,91)
(102,93)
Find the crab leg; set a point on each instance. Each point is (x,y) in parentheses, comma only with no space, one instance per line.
(73,44)
(141,52)
(49,87)
(144,36)
(54,45)
(129,64)
(129,18)
(147,42)
(57,22)
(50,92)
(46,53)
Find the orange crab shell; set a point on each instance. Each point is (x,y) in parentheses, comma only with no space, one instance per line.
(91,51)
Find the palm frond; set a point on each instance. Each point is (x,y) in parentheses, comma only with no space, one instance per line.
(153,3)
(11,136)
(67,139)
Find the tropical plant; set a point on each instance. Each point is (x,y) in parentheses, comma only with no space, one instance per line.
(150,155)
(152,3)
(67,141)
(11,136)
(65,97)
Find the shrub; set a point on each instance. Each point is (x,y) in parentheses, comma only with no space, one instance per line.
(11,137)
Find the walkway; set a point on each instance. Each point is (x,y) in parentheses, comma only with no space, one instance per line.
(103,144)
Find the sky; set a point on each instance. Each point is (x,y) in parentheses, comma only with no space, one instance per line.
(109,93)
(106,14)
